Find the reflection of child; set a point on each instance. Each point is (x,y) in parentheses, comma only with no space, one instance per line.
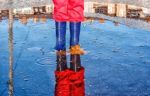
(0,17)
(69,81)
(68,11)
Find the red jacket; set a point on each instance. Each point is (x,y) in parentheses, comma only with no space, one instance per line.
(68,10)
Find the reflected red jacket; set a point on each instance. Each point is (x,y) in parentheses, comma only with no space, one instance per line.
(70,83)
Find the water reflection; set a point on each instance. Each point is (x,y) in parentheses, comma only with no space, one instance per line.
(101,20)
(43,18)
(0,17)
(116,23)
(35,18)
(69,81)
(147,19)
(11,57)
(23,20)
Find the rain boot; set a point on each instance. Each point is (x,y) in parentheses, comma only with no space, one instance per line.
(74,38)
(60,36)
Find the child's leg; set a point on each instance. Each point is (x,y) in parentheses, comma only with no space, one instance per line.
(76,16)
(60,15)
(74,33)
(74,38)
(60,36)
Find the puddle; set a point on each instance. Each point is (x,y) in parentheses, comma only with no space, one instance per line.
(107,61)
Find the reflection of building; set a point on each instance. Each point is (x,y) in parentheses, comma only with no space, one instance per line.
(101,20)
(147,18)
(24,20)
(35,18)
(116,23)
(43,18)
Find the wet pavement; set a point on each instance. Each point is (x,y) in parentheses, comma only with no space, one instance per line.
(117,61)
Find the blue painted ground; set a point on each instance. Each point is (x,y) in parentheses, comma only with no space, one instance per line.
(117,62)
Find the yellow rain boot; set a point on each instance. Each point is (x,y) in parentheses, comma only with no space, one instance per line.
(76,49)
(61,52)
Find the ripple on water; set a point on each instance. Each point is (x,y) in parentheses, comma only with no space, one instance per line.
(46,61)
(34,49)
